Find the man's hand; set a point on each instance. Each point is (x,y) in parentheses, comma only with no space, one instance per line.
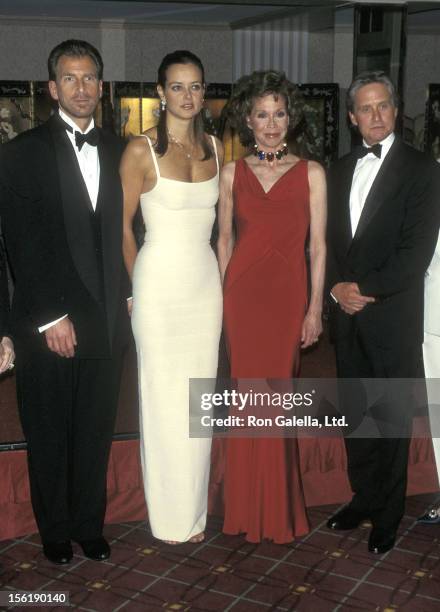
(7,354)
(61,338)
(350,298)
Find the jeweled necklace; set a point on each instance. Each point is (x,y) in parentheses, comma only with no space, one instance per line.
(181,145)
(270,156)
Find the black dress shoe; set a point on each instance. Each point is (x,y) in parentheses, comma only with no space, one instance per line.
(58,552)
(345,519)
(97,549)
(381,540)
(430,518)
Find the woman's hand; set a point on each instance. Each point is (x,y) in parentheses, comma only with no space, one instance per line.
(311,329)
(7,354)
(225,242)
(312,324)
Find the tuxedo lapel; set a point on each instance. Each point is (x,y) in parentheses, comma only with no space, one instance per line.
(75,177)
(344,180)
(384,183)
(77,208)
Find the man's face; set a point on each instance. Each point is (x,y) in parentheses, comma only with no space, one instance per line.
(77,87)
(374,112)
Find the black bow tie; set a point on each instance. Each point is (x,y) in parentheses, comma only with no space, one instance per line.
(375,149)
(92,137)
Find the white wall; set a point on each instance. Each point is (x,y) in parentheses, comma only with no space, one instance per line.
(130,54)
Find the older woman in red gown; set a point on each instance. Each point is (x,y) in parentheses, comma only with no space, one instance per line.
(277,201)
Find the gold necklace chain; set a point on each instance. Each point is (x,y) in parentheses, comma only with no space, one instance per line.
(181,145)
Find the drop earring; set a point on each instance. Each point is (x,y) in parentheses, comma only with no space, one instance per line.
(163,104)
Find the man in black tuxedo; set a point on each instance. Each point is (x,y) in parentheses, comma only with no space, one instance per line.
(63,226)
(383,221)
(6,345)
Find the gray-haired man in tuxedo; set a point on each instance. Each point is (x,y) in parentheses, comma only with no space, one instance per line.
(383,220)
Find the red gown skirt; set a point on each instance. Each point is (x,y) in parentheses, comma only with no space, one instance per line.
(265,300)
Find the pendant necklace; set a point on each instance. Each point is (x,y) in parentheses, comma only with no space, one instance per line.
(181,145)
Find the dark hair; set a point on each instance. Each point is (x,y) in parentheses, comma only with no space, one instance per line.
(367,78)
(74,48)
(256,85)
(180,57)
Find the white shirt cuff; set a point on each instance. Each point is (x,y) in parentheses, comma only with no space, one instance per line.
(44,327)
(334,298)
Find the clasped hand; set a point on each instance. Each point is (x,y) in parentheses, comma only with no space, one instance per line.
(350,298)
(61,338)
(7,354)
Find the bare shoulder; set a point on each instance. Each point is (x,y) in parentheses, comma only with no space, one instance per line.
(316,176)
(137,145)
(228,172)
(315,171)
(138,151)
(152,134)
(219,145)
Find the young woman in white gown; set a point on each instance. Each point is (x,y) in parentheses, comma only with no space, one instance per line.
(177,302)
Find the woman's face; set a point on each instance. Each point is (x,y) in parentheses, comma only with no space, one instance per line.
(269,121)
(184,90)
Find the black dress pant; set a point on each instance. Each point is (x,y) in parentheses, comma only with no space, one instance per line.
(67,409)
(377,464)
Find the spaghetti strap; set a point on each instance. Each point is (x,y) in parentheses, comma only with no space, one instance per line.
(215,151)
(153,154)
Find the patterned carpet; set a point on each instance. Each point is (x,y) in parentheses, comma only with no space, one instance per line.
(320,572)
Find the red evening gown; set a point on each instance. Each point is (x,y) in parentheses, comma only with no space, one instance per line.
(265,300)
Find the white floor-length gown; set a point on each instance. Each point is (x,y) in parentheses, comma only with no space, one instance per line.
(176,319)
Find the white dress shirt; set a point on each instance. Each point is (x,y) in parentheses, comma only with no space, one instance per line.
(88,161)
(365,172)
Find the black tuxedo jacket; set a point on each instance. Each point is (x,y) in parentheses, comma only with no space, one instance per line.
(4,299)
(65,258)
(391,249)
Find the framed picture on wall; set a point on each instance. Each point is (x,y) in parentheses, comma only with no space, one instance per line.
(432,120)
(321,121)
(43,104)
(104,114)
(15,109)
(136,107)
